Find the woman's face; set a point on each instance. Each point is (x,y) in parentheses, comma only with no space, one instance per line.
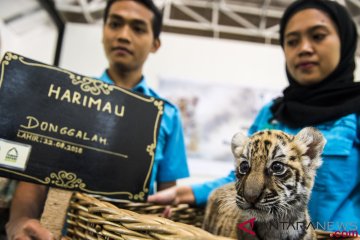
(311,46)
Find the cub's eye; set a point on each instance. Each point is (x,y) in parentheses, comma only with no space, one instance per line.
(244,167)
(277,168)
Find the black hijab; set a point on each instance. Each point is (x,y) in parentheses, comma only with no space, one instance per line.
(337,95)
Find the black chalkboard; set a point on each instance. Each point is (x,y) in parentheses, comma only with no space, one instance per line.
(85,135)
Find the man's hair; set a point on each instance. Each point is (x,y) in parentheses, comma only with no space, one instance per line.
(149,4)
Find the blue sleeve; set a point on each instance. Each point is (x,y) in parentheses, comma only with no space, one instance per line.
(173,164)
(203,190)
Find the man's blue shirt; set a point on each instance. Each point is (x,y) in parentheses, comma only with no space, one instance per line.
(170,157)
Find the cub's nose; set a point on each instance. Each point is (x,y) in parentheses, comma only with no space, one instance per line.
(253,189)
(252,195)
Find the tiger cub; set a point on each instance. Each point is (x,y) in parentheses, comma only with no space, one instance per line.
(275,173)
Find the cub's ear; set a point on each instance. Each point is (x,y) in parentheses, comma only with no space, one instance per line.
(236,143)
(312,142)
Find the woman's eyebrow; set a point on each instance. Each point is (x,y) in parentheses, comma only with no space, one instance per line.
(292,34)
(311,29)
(319,26)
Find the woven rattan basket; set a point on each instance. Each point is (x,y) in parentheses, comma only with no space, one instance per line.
(91,218)
(183,213)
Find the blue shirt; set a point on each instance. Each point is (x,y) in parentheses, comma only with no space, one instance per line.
(335,198)
(170,156)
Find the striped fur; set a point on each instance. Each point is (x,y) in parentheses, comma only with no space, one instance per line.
(275,173)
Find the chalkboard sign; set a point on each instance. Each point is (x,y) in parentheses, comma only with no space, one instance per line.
(65,130)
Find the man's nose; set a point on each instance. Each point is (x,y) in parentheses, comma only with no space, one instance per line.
(123,33)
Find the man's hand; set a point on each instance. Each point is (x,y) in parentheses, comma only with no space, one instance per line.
(27,229)
(26,208)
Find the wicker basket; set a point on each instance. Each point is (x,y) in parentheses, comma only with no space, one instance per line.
(91,218)
(183,213)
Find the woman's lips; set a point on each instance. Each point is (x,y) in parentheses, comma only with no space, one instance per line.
(306,65)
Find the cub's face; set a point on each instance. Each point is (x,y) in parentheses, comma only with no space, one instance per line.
(275,171)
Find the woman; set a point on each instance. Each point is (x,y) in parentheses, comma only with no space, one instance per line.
(319,42)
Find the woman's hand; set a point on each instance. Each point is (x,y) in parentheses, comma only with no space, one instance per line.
(165,197)
(174,195)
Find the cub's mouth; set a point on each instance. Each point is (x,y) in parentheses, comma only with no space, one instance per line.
(258,209)
(246,206)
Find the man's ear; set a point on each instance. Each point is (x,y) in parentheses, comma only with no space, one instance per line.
(156,45)
(237,142)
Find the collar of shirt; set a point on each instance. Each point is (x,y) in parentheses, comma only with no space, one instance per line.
(141,87)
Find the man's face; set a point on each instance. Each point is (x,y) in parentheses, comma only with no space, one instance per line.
(128,35)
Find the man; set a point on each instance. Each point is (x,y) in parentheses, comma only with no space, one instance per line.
(131,31)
